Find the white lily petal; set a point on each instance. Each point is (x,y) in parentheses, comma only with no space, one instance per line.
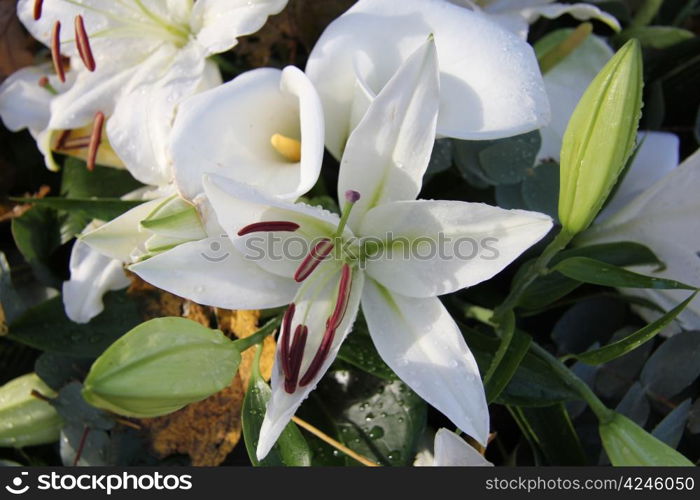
(565,83)
(580,11)
(314,302)
(453,451)
(218,23)
(490,81)
(438,247)
(662,218)
(656,157)
(227,131)
(119,237)
(420,341)
(23,103)
(160,84)
(238,205)
(91,276)
(213,273)
(387,154)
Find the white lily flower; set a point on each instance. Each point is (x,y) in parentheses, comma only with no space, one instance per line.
(450,450)
(518,15)
(147,55)
(664,218)
(268,128)
(25,102)
(490,83)
(380,176)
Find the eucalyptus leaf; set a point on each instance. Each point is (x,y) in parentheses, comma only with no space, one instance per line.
(93,444)
(574,332)
(71,406)
(91,208)
(670,429)
(56,370)
(673,366)
(37,235)
(540,189)
(635,405)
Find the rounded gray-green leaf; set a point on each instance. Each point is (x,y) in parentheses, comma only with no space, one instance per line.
(599,138)
(161,366)
(24,419)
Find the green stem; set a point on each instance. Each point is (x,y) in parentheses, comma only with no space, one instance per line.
(267,329)
(531,274)
(601,411)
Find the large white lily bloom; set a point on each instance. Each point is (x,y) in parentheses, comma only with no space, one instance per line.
(351,262)
(490,82)
(450,450)
(148,56)
(518,15)
(264,128)
(26,104)
(664,218)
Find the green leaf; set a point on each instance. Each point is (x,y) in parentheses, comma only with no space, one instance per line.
(550,429)
(600,138)
(631,342)
(656,37)
(670,429)
(291,448)
(597,272)
(46,327)
(517,349)
(161,366)
(627,444)
(673,366)
(37,235)
(92,208)
(553,286)
(379,419)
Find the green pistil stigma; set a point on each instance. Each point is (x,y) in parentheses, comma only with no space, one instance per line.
(351,198)
(46,85)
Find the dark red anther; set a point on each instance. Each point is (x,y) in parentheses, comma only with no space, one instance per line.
(341,304)
(296,355)
(61,141)
(321,354)
(317,254)
(56,51)
(38,4)
(269,226)
(95,139)
(284,338)
(83,43)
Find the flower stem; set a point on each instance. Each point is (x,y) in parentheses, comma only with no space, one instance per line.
(251,340)
(335,444)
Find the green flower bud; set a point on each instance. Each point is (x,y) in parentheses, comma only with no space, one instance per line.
(600,138)
(173,222)
(628,444)
(161,366)
(24,419)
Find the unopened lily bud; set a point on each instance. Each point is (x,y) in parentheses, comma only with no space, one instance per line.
(173,222)
(628,444)
(161,366)
(26,420)
(599,138)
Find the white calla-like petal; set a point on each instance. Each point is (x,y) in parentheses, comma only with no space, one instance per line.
(119,237)
(388,153)
(92,274)
(453,451)
(218,23)
(213,273)
(228,131)
(420,341)
(314,303)
(565,83)
(169,76)
(239,205)
(437,247)
(579,11)
(655,158)
(662,218)
(23,103)
(490,81)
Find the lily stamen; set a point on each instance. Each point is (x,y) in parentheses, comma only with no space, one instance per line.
(332,325)
(95,139)
(38,4)
(76,143)
(269,226)
(317,254)
(284,338)
(296,355)
(56,51)
(83,43)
